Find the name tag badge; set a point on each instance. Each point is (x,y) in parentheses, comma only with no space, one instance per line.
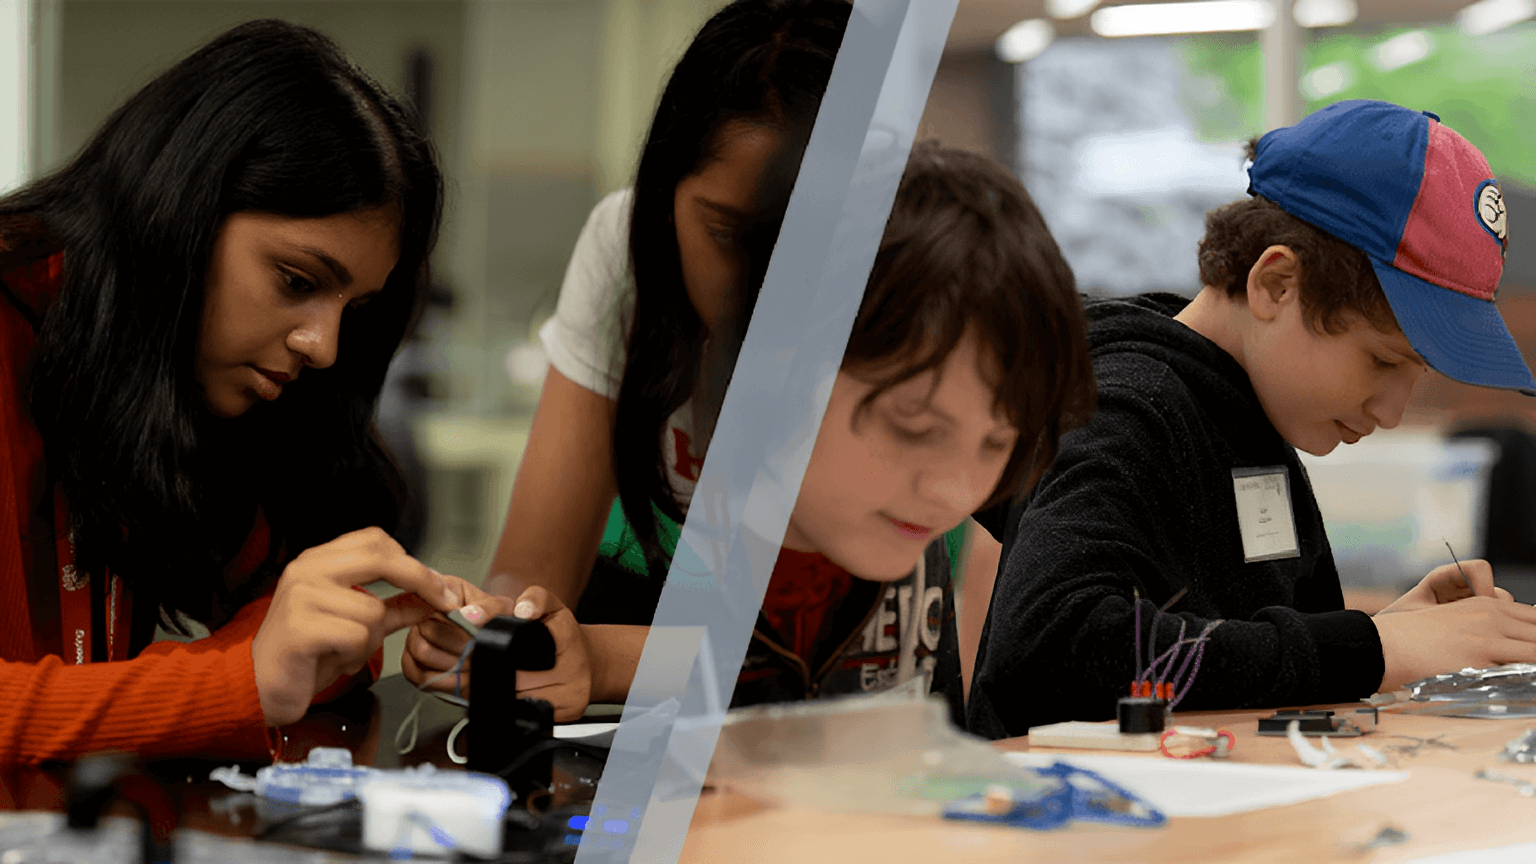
(1264,513)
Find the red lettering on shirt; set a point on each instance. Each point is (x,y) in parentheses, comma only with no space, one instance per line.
(687,464)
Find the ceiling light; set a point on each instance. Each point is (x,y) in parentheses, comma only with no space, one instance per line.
(1024,40)
(1402,50)
(1486,16)
(1328,13)
(1205,16)
(1069,8)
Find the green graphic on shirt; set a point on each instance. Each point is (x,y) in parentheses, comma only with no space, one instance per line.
(622,546)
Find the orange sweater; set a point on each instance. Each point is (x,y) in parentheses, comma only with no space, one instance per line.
(173,699)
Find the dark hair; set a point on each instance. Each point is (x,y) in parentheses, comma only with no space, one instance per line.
(966,251)
(766,62)
(1337,284)
(268,117)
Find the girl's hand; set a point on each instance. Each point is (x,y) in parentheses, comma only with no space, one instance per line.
(434,646)
(568,686)
(1447,584)
(319,627)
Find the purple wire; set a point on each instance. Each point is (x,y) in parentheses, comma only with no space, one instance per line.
(1178,678)
(1178,696)
(1136,599)
(1166,659)
(1152,636)
(1177,650)
(1186,683)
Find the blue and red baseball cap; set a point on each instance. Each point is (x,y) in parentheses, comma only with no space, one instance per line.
(1422,204)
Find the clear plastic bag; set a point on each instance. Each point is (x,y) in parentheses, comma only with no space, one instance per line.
(863,753)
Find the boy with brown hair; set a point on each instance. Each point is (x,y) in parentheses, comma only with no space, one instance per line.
(1368,254)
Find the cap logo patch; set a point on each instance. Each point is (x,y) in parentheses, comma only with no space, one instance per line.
(1490,209)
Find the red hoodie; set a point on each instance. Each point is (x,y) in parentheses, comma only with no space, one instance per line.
(173,698)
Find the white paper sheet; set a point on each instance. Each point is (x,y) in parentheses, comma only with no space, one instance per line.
(1188,788)
(1522,853)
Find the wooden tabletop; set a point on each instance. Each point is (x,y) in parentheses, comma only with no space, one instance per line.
(1441,807)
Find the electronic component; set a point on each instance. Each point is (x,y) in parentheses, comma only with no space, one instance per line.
(1164,678)
(514,741)
(96,781)
(1142,715)
(1350,724)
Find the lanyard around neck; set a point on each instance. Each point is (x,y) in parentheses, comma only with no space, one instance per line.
(75,608)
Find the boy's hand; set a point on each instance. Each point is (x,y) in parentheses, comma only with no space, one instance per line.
(434,646)
(1447,584)
(1475,632)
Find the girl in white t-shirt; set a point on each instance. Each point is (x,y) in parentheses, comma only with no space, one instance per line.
(657,294)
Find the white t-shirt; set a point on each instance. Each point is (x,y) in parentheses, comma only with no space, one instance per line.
(586,338)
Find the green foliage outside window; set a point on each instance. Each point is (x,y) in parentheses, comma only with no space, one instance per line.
(1481,86)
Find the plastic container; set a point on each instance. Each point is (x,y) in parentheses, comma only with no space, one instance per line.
(424,811)
(326,777)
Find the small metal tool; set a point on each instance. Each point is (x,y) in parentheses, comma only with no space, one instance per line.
(1463,573)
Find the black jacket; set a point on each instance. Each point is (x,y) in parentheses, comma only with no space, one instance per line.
(1142,498)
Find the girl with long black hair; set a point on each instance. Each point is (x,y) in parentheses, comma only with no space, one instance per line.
(198,313)
(656,298)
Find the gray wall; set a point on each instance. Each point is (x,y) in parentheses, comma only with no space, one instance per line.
(110,48)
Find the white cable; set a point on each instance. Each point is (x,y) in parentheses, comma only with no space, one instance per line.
(413,719)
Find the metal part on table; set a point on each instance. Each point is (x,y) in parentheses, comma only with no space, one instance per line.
(1389,835)
(1497,692)
(1526,787)
(1415,744)
(1521,749)
(1347,724)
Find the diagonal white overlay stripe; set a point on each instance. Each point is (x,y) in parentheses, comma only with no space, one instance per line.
(768,422)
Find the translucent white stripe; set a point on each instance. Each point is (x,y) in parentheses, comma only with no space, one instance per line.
(767,427)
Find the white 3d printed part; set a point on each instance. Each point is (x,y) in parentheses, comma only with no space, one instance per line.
(326,777)
(1090,736)
(424,811)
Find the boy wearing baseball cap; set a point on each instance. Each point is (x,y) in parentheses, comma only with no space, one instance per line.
(1368,253)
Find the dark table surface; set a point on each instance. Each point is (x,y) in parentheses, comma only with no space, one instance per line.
(365,722)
